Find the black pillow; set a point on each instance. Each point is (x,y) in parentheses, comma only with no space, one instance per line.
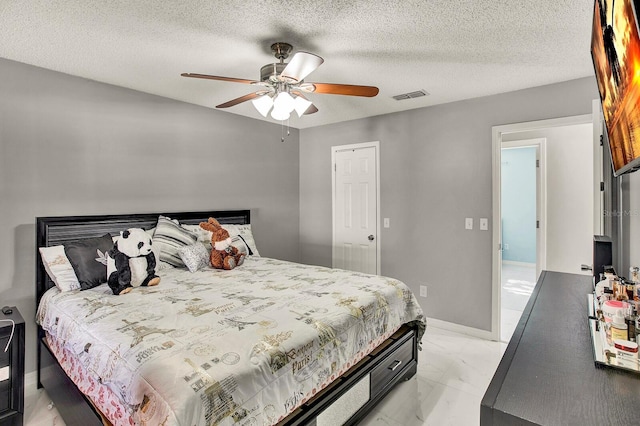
(88,258)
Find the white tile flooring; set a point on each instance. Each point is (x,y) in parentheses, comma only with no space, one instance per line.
(518,282)
(454,371)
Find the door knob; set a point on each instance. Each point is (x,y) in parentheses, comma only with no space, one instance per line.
(371,237)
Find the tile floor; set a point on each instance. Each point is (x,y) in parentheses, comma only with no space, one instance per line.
(454,371)
(518,282)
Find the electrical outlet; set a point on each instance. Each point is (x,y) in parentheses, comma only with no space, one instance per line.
(506,246)
(423,291)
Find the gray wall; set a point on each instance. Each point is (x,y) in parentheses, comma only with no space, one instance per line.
(435,171)
(69,146)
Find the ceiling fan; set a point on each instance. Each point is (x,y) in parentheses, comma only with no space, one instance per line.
(284,86)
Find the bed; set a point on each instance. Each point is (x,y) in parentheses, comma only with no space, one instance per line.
(270,342)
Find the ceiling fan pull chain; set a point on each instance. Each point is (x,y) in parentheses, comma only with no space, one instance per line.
(282,128)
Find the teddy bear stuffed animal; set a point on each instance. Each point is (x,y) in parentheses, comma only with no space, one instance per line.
(223,254)
(131,262)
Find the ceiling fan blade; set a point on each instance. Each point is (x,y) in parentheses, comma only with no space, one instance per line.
(301,65)
(343,89)
(239,100)
(215,77)
(312,108)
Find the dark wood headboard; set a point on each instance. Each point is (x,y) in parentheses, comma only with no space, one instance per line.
(51,231)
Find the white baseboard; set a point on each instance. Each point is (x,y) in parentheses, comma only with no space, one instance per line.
(457,328)
(515,263)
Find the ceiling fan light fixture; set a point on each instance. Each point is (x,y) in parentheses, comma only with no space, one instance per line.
(301,105)
(280,114)
(263,104)
(284,102)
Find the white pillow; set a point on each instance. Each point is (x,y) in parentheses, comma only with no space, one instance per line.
(59,268)
(244,231)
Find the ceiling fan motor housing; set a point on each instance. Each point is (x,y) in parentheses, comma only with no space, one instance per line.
(271,72)
(281,50)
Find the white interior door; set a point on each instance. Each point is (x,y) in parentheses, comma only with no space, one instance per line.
(570,199)
(355,208)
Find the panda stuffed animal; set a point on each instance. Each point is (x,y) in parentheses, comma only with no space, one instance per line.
(131,262)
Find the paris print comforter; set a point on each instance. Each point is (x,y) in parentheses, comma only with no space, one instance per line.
(217,347)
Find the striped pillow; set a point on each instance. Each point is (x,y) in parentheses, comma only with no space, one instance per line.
(170,237)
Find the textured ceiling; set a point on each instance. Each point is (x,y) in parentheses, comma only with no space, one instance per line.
(453,49)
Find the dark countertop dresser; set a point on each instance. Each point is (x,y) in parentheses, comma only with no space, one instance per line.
(547,375)
(11,369)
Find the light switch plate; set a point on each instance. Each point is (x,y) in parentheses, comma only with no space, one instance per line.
(386,222)
(468,223)
(484,224)
(423,291)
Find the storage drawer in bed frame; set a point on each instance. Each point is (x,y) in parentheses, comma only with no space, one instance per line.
(391,366)
(378,365)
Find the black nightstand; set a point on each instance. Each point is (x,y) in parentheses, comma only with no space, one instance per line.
(11,369)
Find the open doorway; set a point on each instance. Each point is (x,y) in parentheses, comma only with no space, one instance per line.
(571,199)
(523,222)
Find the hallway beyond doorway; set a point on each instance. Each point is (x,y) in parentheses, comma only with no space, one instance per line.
(518,281)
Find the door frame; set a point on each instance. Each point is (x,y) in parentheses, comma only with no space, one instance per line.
(541,195)
(496,139)
(598,175)
(334,149)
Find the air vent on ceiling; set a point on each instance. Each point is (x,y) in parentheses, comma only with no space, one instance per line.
(411,95)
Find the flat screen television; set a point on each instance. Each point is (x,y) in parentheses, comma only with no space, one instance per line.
(615,50)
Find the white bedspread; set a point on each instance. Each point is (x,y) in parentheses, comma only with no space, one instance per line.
(238,347)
